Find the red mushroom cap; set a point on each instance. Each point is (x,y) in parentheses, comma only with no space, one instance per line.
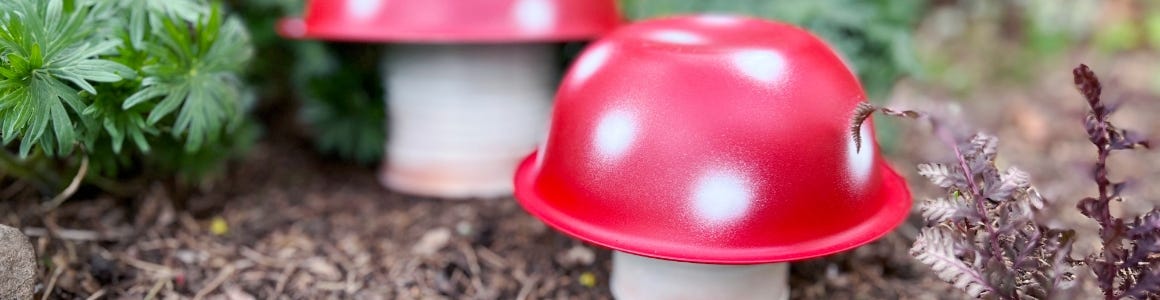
(453,20)
(712,139)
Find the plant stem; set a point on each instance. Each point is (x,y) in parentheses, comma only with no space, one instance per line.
(976,193)
(1109,231)
(1100,134)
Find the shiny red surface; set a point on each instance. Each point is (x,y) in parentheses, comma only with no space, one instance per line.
(712,139)
(453,20)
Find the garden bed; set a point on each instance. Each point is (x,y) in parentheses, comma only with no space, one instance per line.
(287,223)
(302,227)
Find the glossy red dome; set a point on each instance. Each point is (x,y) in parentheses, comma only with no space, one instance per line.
(453,20)
(712,139)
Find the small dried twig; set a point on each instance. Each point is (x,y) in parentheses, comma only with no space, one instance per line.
(160,270)
(280,286)
(494,260)
(78,234)
(156,289)
(527,286)
(52,282)
(100,293)
(473,266)
(222,276)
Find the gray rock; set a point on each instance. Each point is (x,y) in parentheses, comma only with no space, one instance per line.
(17,265)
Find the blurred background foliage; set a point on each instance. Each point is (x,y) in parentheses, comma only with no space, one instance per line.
(338,95)
(338,87)
(1017,37)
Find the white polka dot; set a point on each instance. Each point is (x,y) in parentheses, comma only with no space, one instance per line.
(614,134)
(363,10)
(535,16)
(677,37)
(719,20)
(720,197)
(590,62)
(860,161)
(762,65)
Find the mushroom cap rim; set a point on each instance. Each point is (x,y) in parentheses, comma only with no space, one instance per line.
(894,188)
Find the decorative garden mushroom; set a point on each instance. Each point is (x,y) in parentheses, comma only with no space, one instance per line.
(469,83)
(707,151)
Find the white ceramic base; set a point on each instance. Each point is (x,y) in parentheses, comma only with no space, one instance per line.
(461,117)
(636,277)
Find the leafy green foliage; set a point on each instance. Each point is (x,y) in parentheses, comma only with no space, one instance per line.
(158,75)
(338,85)
(342,102)
(45,49)
(198,73)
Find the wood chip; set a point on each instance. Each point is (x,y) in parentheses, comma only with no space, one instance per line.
(432,241)
(322,268)
(577,256)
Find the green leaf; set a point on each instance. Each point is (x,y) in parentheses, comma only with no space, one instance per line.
(199,76)
(170,103)
(145,94)
(98,70)
(45,47)
(115,133)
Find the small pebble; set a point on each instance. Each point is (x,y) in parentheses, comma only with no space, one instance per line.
(17,265)
(464,228)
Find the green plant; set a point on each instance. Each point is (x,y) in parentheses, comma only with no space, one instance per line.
(985,234)
(337,85)
(342,100)
(162,76)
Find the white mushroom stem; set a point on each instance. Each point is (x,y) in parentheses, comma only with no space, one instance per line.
(462,116)
(637,278)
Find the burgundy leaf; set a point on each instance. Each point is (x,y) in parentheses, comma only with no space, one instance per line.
(1087,83)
